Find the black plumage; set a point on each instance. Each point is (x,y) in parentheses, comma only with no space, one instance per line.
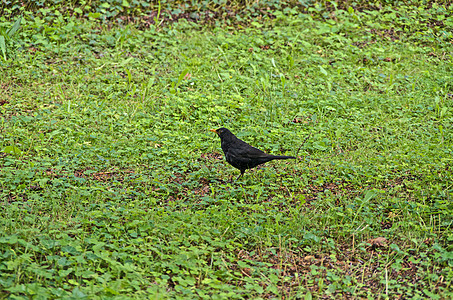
(241,155)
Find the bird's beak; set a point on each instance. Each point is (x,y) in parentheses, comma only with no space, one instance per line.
(213,130)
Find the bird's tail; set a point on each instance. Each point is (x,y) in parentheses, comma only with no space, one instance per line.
(283,157)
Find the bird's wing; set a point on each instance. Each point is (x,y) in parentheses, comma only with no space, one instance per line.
(246,151)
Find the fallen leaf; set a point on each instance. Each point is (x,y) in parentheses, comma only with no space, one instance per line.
(378,242)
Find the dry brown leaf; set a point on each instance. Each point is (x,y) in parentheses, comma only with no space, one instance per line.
(378,242)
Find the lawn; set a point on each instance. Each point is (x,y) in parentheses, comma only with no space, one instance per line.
(112,185)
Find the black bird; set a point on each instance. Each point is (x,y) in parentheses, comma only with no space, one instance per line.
(241,155)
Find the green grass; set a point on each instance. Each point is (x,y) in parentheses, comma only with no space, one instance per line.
(112,185)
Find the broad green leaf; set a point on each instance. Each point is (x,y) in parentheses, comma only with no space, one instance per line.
(15,27)
(12,150)
(181,76)
(94,15)
(3,46)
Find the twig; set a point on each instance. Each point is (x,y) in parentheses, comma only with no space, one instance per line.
(303,143)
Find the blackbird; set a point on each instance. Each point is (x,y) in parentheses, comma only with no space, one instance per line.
(241,155)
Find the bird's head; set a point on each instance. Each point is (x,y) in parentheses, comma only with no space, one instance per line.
(221,132)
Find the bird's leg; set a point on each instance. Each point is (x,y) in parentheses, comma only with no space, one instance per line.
(242,173)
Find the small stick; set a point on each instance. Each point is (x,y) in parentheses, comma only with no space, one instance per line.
(303,143)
